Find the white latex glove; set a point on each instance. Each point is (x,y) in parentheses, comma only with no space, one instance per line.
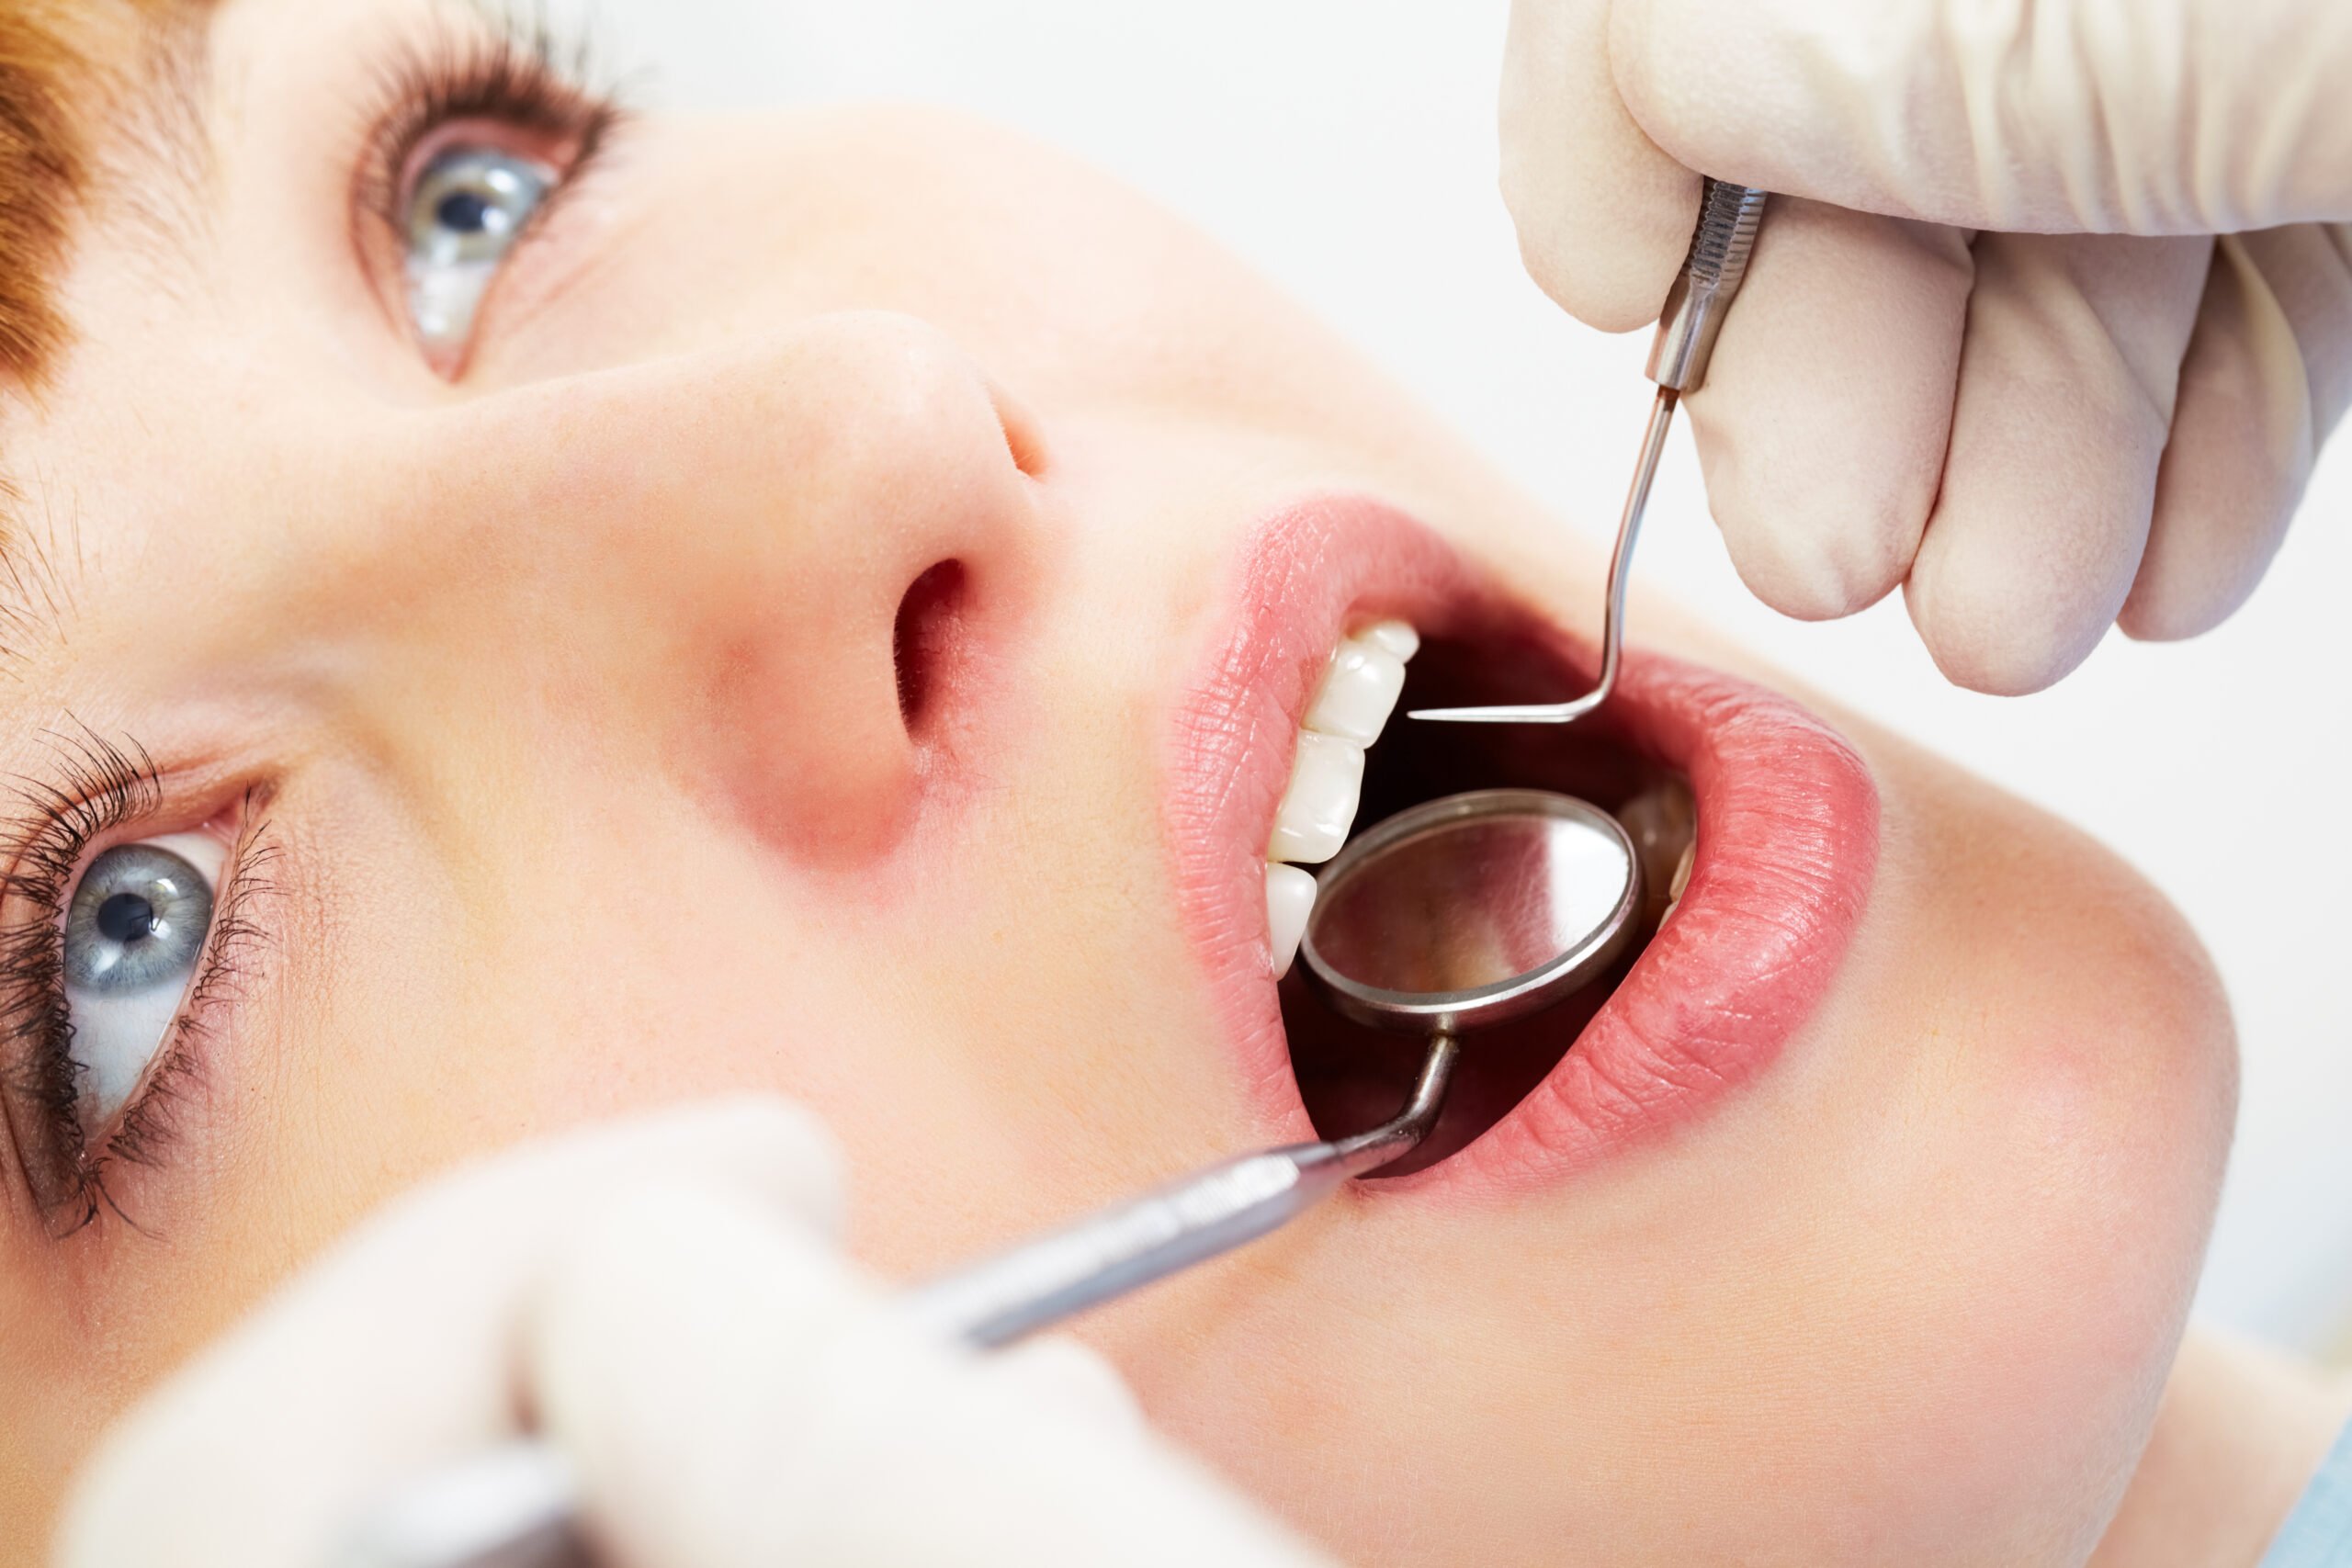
(664,1300)
(2091,410)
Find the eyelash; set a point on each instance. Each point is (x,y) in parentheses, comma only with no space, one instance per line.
(103,788)
(531,81)
(528,79)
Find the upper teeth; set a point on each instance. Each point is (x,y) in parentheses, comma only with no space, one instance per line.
(1360,689)
(1320,805)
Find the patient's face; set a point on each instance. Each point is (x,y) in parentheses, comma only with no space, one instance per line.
(837,620)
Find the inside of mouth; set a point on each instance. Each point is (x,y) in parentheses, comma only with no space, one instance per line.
(1352,1077)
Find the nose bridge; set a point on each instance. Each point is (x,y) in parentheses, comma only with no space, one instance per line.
(822,471)
(712,553)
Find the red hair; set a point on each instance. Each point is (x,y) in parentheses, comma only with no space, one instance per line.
(62,65)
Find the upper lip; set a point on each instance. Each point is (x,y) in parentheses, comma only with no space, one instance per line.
(1788,840)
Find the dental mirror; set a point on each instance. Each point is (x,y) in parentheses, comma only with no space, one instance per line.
(1473,911)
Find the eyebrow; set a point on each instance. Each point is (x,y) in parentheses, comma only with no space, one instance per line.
(99,112)
(140,74)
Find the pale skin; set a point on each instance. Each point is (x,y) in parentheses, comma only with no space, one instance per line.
(568,686)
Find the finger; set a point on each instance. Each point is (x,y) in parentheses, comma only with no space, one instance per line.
(1824,420)
(732,1395)
(2068,382)
(2146,117)
(396,1351)
(1604,217)
(2267,376)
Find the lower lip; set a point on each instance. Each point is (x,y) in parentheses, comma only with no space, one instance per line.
(1788,842)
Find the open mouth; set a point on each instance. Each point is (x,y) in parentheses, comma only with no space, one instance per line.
(1756,824)
(1352,1076)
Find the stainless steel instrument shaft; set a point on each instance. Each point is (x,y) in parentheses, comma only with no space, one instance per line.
(517,1505)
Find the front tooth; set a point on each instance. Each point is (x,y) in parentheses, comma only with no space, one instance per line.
(1290,899)
(1358,694)
(1320,805)
(1393,637)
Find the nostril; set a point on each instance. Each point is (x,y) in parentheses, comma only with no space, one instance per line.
(924,638)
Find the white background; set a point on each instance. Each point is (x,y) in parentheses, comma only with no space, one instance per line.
(1346,147)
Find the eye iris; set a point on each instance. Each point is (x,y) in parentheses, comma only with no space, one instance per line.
(469,208)
(464,211)
(126,918)
(136,920)
(469,204)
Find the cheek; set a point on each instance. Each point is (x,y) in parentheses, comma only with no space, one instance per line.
(1036,1037)
(2038,1115)
(2021,1253)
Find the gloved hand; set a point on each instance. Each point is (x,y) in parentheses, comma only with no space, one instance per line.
(2093,409)
(663,1298)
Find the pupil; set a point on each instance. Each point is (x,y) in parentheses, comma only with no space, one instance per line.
(126,918)
(463,212)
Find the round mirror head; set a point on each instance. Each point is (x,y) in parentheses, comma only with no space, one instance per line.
(1472,910)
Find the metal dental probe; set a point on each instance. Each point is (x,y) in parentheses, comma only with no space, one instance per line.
(1038,1283)
(1729,216)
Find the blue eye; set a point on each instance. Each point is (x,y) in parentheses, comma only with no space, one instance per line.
(134,932)
(469,208)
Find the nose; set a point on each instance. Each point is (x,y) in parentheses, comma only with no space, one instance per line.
(783,563)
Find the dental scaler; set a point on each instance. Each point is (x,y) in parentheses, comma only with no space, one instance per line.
(1729,216)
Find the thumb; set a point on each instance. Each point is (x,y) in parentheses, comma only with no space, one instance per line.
(2147,116)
